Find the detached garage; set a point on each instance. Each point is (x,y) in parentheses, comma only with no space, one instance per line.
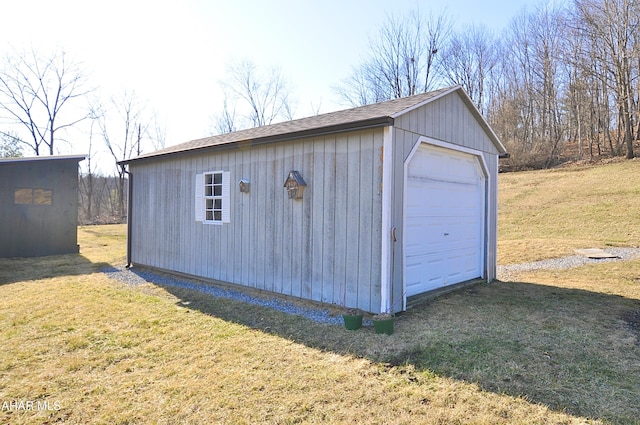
(364,207)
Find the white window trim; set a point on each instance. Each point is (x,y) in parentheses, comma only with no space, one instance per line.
(201,199)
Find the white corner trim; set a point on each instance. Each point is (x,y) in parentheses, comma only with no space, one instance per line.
(387,184)
(492,229)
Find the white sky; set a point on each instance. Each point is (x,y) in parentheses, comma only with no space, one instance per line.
(174,53)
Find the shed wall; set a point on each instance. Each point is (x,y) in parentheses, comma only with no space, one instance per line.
(324,247)
(450,120)
(30,230)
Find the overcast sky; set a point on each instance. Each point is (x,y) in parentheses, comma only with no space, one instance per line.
(175,53)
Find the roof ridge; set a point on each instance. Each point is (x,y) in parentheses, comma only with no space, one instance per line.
(366,116)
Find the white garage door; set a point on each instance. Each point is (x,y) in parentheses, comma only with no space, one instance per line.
(444,223)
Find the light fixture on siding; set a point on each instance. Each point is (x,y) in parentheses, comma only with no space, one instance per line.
(244,185)
(295,185)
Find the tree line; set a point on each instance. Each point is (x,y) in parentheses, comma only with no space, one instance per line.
(558,76)
(558,79)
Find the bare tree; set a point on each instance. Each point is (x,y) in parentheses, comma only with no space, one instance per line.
(226,120)
(158,133)
(252,98)
(530,86)
(87,180)
(124,128)
(362,87)
(468,59)
(612,25)
(587,96)
(401,60)
(35,93)
(99,212)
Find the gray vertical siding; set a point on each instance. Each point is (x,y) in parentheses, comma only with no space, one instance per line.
(325,247)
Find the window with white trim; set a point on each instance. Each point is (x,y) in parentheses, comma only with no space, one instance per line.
(212,197)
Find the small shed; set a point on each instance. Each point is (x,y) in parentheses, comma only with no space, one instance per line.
(365,207)
(39,206)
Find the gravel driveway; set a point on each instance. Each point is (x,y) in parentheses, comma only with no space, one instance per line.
(505,272)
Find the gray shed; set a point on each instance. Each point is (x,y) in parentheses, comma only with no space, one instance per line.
(39,206)
(364,207)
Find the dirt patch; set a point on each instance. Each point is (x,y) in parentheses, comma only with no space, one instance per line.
(632,320)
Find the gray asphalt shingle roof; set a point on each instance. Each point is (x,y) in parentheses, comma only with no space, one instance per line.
(377,114)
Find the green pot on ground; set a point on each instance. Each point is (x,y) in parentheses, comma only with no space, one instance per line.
(352,321)
(384,325)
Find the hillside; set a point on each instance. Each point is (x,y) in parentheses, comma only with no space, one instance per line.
(549,213)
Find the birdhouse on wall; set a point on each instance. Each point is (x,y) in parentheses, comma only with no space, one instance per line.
(245,185)
(295,185)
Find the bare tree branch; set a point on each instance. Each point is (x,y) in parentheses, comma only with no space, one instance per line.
(401,60)
(36,92)
(124,128)
(469,59)
(257,98)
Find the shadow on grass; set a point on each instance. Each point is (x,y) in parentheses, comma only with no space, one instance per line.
(571,350)
(14,270)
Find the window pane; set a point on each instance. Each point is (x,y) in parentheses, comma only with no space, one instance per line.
(42,196)
(217,205)
(208,179)
(209,204)
(217,215)
(209,215)
(217,178)
(208,191)
(217,190)
(23,196)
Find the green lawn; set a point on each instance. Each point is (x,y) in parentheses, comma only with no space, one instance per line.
(555,347)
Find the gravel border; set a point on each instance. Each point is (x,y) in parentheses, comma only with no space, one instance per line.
(135,276)
(564,263)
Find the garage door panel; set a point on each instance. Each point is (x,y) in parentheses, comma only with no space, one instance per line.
(442,196)
(443,270)
(444,219)
(463,262)
(435,235)
(437,164)
(416,281)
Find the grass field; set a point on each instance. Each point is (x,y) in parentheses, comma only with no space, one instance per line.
(548,214)
(555,347)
